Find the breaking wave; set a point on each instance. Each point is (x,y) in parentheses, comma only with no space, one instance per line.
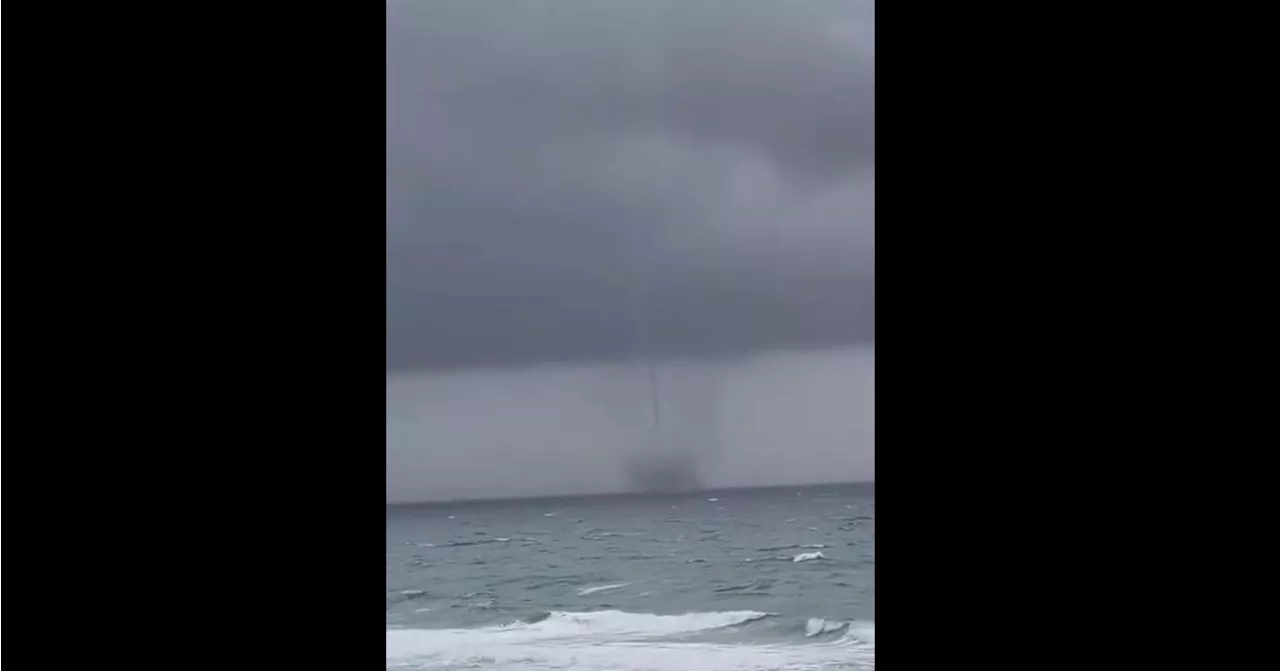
(601,588)
(713,641)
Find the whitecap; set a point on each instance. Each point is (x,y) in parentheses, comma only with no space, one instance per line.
(808,556)
(601,588)
(616,623)
(621,641)
(817,626)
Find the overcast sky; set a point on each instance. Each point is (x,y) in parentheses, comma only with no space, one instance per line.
(576,184)
(571,180)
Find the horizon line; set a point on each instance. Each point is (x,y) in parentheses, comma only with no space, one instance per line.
(607,495)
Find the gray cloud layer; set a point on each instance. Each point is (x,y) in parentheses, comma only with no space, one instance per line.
(559,171)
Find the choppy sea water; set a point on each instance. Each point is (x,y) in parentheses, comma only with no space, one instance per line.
(746,579)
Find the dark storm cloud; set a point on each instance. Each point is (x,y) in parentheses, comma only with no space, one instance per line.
(562,172)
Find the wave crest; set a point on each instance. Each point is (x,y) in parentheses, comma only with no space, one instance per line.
(616,624)
(621,640)
(586,591)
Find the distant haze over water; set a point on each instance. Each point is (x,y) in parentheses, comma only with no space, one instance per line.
(785,418)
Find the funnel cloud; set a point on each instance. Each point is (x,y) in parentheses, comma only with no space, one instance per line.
(781,419)
(578,190)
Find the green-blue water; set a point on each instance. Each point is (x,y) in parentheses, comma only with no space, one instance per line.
(745,579)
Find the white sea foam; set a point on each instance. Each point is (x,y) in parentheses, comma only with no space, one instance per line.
(817,626)
(616,624)
(622,641)
(808,556)
(601,588)
(863,632)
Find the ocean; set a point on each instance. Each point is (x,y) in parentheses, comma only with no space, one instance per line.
(780,578)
